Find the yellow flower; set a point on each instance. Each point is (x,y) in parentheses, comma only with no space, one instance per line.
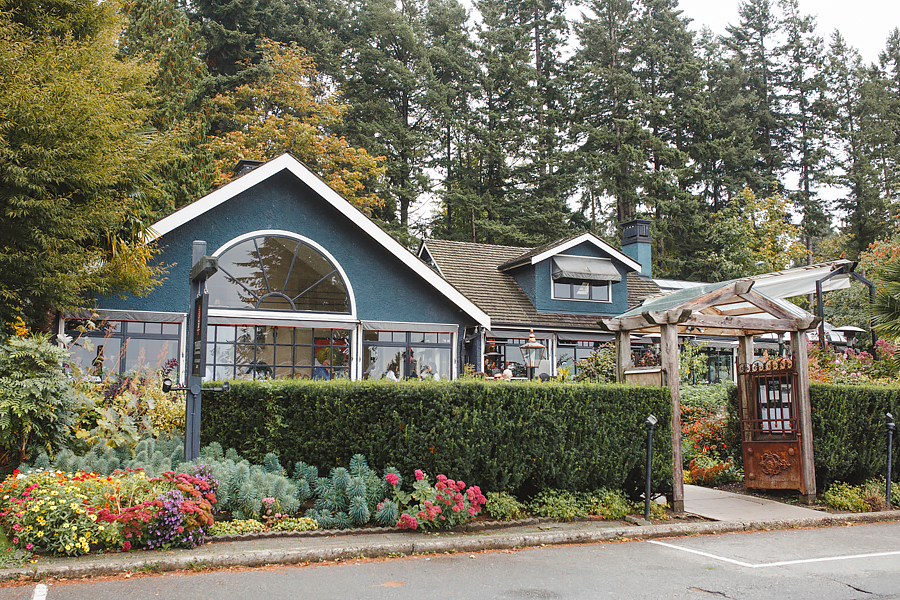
(73,506)
(39,533)
(92,517)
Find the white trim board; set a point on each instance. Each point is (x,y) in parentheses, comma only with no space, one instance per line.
(286,162)
(587,237)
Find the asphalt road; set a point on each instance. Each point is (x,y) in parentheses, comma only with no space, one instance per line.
(861,561)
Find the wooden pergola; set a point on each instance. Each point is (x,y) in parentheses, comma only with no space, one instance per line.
(729,309)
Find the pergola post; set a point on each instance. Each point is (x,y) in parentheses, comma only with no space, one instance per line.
(668,350)
(745,357)
(801,365)
(623,354)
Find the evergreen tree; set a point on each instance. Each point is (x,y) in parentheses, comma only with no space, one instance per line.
(159,33)
(852,101)
(390,85)
(753,46)
(609,134)
(805,147)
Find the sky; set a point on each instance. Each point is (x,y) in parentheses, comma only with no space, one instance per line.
(865,24)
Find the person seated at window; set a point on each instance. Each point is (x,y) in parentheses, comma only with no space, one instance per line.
(427,372)
(507,372)
(391,373)
(321,371)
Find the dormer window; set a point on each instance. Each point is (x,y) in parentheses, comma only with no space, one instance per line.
(581,290)
(583,278)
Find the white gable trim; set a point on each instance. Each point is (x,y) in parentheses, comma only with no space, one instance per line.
(587,237)
(291,164)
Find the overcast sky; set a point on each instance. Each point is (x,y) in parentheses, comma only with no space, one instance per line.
(865,24)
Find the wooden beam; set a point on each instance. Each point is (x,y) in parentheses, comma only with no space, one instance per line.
(711,298)
(743,287)
(635,322)
(741,323)
(808,468)
(745,357)
(767,305)
(668,353)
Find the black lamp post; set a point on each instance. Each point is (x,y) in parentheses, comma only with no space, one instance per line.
(532,353)
(650,424)
(890,427)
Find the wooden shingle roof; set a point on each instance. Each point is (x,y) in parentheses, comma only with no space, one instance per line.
(473,270)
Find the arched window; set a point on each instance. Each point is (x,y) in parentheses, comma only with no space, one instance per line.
(277,272)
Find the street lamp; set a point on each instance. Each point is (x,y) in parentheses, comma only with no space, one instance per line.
(532,353)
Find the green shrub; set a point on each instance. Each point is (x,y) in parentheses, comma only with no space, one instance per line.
(36,398)
(236,527)
(503,506)
(565,506)
(844,496)
(348,497)
(293,524)
(521,437)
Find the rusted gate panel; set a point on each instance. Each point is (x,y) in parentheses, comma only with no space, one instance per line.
(770,428)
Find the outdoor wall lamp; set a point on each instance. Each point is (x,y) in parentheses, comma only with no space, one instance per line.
(167,386)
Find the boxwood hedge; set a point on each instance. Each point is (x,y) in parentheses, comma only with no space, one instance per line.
(518,437)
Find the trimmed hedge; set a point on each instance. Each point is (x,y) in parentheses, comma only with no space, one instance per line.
(849,433)
(518,437)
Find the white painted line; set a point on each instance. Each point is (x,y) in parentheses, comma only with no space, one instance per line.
(706,554)
(40,592)
(776,564)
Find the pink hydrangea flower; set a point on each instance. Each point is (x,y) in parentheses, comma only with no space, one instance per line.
(392,478)
(419,475)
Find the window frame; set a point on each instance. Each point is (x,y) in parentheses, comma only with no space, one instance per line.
(296,314)
(572,285)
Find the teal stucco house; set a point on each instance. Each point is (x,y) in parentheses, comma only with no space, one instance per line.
(309,287)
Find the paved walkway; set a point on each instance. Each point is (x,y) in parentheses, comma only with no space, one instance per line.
(733,512)
(726,506)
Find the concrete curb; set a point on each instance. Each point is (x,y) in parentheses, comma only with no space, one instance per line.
(189,559)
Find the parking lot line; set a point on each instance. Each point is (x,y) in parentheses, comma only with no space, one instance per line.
(781,563)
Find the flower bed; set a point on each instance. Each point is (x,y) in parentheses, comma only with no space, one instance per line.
(74,513)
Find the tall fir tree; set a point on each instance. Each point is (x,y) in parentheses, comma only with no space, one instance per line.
(608,131)
(805,147)
(753,47)
(852,98)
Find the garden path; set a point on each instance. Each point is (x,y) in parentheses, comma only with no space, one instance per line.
(720,505)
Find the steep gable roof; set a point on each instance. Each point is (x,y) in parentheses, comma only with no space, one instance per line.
(288,163)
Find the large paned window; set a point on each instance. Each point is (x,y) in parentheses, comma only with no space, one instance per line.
(275,272)
(263,352)
(568,353)
(407,354)
(500,352)
(104,347)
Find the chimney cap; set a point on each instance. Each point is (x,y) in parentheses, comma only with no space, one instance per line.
(636,231)
(245,165)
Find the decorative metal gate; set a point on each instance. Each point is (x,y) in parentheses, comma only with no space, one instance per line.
(770,428)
